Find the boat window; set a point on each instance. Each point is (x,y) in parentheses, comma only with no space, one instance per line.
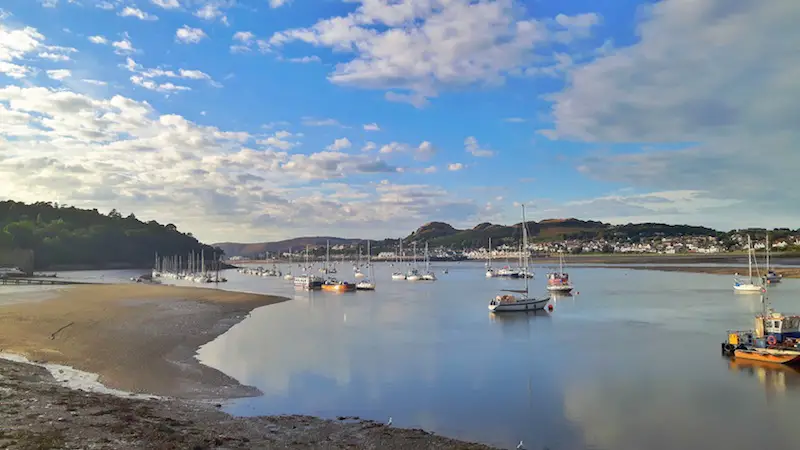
(777,325)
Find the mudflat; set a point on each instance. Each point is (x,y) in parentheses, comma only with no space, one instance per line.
(138,338)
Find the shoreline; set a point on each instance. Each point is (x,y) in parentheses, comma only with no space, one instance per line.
(122,343)
(787,272)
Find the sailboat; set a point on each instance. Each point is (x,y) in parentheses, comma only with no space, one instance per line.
(288,275)
(428,275)
(328,268)
(413,273)
(772,276)
(357,268)
(367,285)
(559,281)
(510,302)
(399,275)
(490,273)
(306,280)
(750,285)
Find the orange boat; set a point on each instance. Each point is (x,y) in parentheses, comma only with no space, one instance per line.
(338,286)
(768,355)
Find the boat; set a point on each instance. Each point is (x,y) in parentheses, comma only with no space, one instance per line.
(490,273)
(288,275)
(413,273)
(367,285)
(399,275)
(428,275)
(308,282)
(747,285)
(772,276)
(559,281)
(524,302)
(775,338)
(334,285)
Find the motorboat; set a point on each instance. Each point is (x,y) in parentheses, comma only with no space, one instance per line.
(334,285)
(559,281)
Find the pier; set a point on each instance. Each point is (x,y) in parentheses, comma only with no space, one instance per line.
(21,281)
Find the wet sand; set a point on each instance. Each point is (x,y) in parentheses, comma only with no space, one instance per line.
(142,338)
(138,338)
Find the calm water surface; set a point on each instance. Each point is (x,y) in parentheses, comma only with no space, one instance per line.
(631,362)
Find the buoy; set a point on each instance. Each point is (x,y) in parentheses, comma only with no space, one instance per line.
(550,308)
(771,340)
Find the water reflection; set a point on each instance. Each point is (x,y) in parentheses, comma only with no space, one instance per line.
(634,367)
(776,378)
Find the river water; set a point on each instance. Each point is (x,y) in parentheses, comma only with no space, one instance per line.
(631,361)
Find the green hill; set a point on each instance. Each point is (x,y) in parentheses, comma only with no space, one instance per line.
(69,237)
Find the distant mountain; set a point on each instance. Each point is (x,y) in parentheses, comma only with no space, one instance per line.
(443,234)
(254,249)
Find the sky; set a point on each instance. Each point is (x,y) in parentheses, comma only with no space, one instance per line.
(255,120)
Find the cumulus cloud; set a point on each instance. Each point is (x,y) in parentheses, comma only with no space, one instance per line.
(98,40)
(424,151)
(189,35)
(278,3)
(305,59)
(455,167)
(244,37)
(144,76)
(124,46)
(22,44)
(166,4)
(59,74)
(372,127)
(340,144)
(129,11)
(416,48)
(472,147)
(280,140)
(711,78)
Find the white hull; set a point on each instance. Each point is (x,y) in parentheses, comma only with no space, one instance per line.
(530,304)
(288,277)
(398,277)
(429,277)
(490,274)
(560,288)
(412,278)
(359,275)
(747,288)
(365,286)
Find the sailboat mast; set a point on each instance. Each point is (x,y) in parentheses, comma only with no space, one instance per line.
(327,256)
(750,259)
(489,262)
(524,248)
(767,269)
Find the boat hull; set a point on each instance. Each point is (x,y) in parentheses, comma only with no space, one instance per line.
(398,277)
(365,286)
(768,356)
(532,304)
(559,288)
(747,288)
(412,278)
(339,287)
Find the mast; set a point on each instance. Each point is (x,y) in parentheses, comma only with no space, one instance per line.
(427,259)
(750,259)
(369,263)
(327,256)
(305,267)
(767,269)
(525,246)
(489,260)
(415,254)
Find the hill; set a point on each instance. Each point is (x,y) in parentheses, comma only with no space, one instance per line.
(69,237)
(442,234)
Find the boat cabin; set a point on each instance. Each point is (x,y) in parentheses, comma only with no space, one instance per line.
(778,325)
(557,278)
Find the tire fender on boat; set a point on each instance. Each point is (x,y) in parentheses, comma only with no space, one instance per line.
(771,340)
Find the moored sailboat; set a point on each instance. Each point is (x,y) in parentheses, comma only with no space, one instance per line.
(510,302)
(399,275)
(747,285)
(772,276)
(559,281)
(490,272)
(367,285)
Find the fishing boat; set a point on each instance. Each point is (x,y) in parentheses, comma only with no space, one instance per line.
(772,276)
(334,285)
(523,302)
(367,285)
(308,282)
(428,275)
(399,275)
(490,273)
(748,285)
(559,281)
(775,338)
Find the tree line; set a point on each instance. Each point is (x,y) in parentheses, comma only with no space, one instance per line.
(67,236)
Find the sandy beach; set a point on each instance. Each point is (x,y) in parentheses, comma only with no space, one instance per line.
(142,339)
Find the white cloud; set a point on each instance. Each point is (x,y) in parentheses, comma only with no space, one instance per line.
(108,6)
(454,167)
(305,59)
(424,151)
(372,127)
(95,82)
(59,74)
(414,49)
(53,56)
(430,169)
(98,40)
(49,3)
(280,140)
(166,4)
(369,146)
(472,147)
(189,35)
(123,46)
(158,87)
(23,44)
(711,78)
(244,37)
(514,120)
(278,3)
(340,144)
(129,11)
(143,76)
(213,10)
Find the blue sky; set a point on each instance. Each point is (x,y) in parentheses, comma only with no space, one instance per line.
(257,119)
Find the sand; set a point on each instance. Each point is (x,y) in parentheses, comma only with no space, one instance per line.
(138,338)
